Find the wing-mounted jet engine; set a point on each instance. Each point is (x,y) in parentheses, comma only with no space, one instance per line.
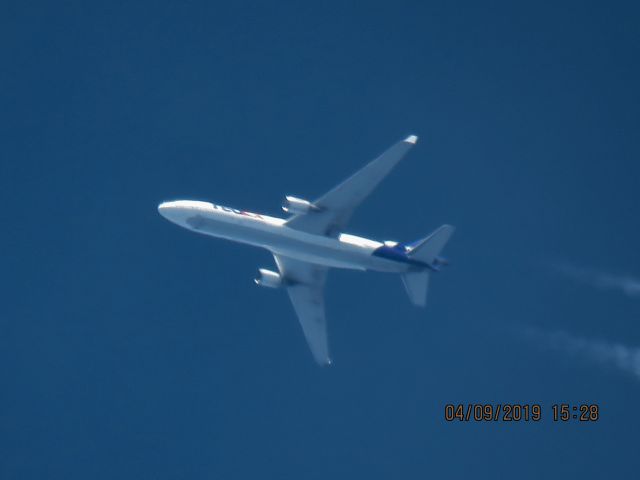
(298,206)
(269,279)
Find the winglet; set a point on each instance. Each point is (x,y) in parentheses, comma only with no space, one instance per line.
(411,139)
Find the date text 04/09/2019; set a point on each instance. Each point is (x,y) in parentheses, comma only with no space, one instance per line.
(515,412)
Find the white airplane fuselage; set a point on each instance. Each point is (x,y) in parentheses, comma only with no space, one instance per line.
(344,251)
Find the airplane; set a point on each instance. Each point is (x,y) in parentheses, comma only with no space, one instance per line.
(311,241)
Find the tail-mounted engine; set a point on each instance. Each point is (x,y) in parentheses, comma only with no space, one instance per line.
(439,262)
(267,278)
(298,206)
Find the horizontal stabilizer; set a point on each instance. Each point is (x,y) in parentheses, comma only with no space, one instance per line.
(428,249)
(416,284)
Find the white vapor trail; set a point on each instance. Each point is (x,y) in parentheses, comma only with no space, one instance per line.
(622,357)
(628,285)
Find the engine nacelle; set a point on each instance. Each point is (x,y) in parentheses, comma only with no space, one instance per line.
(440,261)
(298,206)
(268,278)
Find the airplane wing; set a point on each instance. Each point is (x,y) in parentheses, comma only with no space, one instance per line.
(306,284)
(336,206)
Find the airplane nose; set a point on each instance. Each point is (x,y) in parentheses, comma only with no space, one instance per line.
(168,210)
(180,211)
(163,208)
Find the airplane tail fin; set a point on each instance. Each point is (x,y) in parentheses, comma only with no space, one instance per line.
(427,251)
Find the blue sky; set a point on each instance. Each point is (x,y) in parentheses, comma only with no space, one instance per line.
(133,349)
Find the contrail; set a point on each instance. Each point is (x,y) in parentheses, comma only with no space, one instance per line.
(622,357)
(605,281)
